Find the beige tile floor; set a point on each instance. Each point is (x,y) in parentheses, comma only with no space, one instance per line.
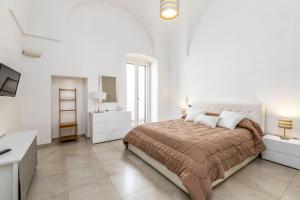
(81,171)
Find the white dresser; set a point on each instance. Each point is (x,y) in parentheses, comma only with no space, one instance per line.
(110,125)
(17,167)
(286,152)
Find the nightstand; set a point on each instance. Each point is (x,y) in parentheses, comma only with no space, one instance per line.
(285,152)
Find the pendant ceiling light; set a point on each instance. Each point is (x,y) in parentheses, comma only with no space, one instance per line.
(169,9)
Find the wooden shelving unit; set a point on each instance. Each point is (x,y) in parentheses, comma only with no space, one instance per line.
(72,124)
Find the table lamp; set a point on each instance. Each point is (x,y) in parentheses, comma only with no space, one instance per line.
(98,97)
(285,124)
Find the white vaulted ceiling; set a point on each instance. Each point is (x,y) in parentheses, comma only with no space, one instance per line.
(47,18)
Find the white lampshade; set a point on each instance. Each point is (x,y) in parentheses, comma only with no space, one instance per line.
(97,95)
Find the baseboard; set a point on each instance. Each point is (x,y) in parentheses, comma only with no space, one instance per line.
(40,146)
(56,141)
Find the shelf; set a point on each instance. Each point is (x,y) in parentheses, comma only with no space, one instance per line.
(73,126)
(67,89)
(68,138)
(67,100)
(70,124)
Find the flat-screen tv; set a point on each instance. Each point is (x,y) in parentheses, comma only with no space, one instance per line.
(9,81)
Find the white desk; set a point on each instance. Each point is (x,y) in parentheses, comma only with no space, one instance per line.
(18,164)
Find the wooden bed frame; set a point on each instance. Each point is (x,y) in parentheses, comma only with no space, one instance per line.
(253,112)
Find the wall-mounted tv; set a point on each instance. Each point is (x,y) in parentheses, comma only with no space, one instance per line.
(9,81)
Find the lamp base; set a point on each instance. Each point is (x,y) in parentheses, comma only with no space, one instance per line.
(99,111)
(284,138)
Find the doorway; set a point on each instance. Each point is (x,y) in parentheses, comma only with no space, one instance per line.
(138,92)
(65,82)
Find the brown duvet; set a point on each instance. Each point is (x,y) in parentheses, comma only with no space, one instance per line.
(198,154)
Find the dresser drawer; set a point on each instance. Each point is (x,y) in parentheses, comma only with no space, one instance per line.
(109,135)
(282,158)
(111,116)
(285,147)
(111,126)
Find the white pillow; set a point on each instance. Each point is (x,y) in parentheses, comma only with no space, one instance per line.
(208,120)
(230,119)
(192,114)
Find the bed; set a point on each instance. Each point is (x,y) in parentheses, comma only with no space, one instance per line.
(195,157)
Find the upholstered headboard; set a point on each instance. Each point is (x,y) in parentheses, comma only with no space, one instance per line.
(253,112)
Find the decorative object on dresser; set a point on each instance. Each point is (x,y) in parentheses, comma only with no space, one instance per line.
(17,166)
(286,152)
(285,124)
(67,97)
(98,97)
(111,125)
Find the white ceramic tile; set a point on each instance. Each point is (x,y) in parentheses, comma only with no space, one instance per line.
(130,182)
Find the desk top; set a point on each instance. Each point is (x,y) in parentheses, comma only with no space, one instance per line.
(18,143)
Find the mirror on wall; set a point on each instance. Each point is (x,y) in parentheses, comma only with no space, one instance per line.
(109,85)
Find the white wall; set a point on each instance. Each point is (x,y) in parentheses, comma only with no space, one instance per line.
(80,84)
(21,10)
(10,55)
(244,52)
(96,40)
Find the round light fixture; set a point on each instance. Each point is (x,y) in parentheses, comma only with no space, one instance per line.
(169,9)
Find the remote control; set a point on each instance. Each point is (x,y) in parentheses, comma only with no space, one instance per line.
(4,151)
